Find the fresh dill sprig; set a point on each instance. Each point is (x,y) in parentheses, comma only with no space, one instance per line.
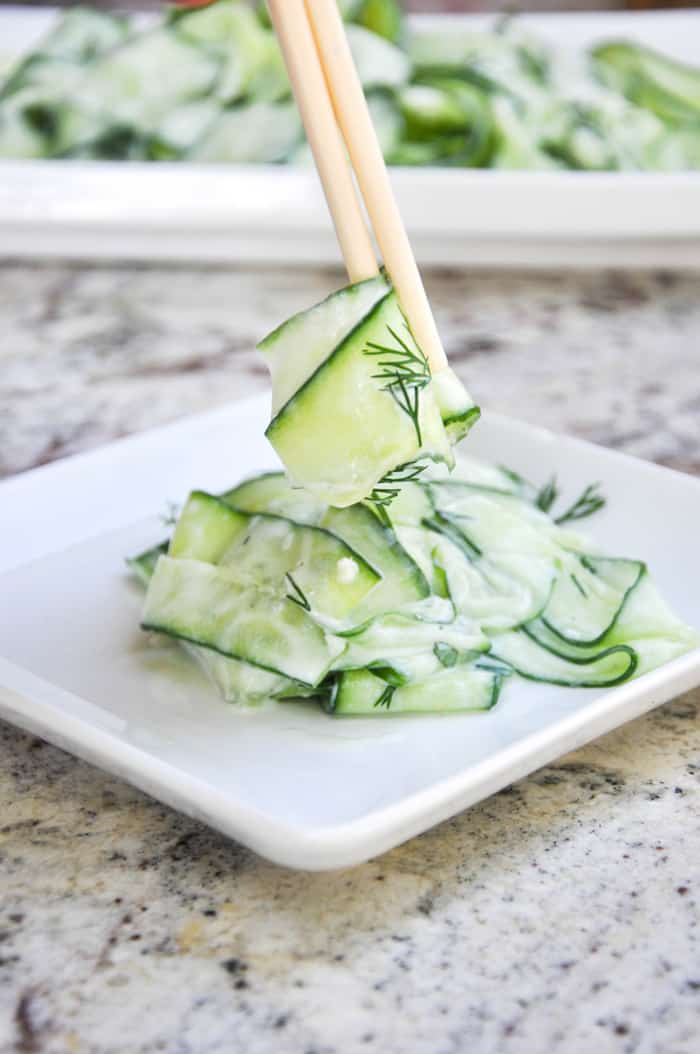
(385,698)
(589,502)
(298,597)
(390,484)
(405,373)
(547,495)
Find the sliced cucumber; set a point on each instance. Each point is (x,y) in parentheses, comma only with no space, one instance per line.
(420,546)
(379,63)
(308,564)
(21,137)
(646,614)
(140,82)
(206,528)
(403,582)
(185,125)
(57,78)
(448,50)
(262,133)
(239,682)
(499,594)
(350,425)
(312,566)
(652,649)
(208,605)
(296,349)
(387,120)
(401,579)
(588,596)
(653,652)
(83,33)
(384,17)
(357,526)
(460,689)
(530,659)
(412,505)
(492,477)
(116,142)
(430,111)
(271,492)
(451,118)
(222,26)
(668,88)
(253,63)
(457,408)
(490,522)
(397,640)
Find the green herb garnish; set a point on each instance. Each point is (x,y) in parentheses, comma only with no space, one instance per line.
(589,502)
(390,484)
(385,698)
(299,596)
(547,495)
(405,373)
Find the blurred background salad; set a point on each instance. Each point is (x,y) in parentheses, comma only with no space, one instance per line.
(206,83)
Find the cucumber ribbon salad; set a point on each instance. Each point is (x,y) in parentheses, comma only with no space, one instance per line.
(208,84)
(370,578)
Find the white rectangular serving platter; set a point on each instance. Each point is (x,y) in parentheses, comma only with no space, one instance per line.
(181,211)
(299,787)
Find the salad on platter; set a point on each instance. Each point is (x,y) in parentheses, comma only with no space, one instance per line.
(382,574)
(208,84)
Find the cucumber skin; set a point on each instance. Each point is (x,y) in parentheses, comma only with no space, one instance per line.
(368,423)
(205,528)
(342,701)
(574,682)
(226,617)
(459,424)
(600,638)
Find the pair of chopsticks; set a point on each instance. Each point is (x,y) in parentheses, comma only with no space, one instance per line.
(340,132)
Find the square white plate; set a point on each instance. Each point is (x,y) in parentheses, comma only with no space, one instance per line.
(184,211)
(301,788)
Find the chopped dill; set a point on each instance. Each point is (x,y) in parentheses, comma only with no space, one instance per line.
(390,484)
(521,483)
(590,501)
(385,698)
(547,495)
(298,597)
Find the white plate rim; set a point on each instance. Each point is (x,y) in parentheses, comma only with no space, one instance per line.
(22,702)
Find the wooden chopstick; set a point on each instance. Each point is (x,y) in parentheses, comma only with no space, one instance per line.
(356,126)
(309,84)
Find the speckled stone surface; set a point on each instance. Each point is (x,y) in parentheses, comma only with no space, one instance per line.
(559,916)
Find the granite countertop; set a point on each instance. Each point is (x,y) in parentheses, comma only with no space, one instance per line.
(559,916)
